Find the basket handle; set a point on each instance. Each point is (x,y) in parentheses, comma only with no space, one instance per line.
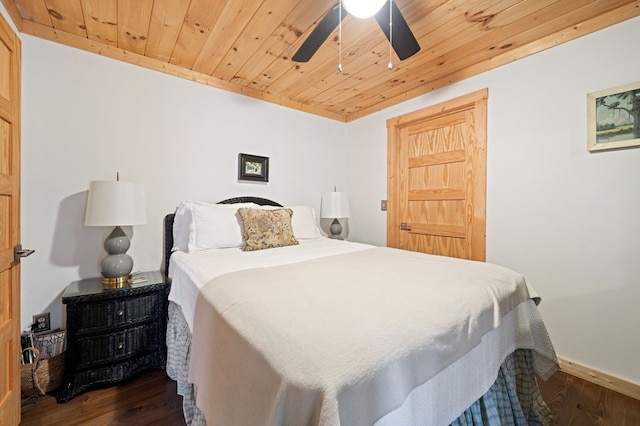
(36,353)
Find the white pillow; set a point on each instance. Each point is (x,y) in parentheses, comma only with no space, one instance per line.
(303,222)
(182,225)
(215,227)
(201,226)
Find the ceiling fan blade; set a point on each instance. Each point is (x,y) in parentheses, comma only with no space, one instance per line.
(319,34)
(403,41)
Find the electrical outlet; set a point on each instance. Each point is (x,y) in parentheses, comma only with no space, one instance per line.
(41,322)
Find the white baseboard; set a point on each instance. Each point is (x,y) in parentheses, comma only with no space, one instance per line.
(599,378)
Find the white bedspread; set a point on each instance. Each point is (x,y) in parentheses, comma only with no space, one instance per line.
(343,339)
(190,271)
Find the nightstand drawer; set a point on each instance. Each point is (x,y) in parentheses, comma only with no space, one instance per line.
(98,316)
(78,381)
(119,345)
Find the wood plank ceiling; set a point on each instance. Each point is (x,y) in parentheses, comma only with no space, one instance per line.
(245,46)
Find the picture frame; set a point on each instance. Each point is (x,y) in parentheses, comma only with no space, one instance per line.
(253,168)
(613,118)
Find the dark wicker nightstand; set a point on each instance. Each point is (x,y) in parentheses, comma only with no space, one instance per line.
(113,334)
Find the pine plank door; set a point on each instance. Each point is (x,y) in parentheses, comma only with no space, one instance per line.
(436,179)
(9,225)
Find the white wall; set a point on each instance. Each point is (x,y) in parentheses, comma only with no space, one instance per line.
(565,218)
(86,117)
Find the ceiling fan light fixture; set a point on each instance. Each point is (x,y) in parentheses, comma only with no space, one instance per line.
(363,8)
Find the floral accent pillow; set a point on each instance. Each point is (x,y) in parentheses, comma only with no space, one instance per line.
(263,229)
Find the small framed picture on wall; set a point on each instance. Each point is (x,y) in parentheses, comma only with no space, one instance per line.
(613,118)
(253,168)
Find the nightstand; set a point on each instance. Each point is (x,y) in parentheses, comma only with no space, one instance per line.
(113,333)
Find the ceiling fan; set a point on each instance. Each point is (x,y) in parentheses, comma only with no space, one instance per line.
(389,18)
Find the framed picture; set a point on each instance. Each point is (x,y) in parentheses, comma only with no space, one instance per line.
(613,118)
(253,168)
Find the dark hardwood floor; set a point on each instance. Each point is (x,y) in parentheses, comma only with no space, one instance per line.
(151,399)
(574,401)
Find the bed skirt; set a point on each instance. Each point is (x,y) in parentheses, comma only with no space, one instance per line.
(513,399)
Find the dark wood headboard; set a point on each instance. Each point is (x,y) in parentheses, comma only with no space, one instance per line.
(168,223)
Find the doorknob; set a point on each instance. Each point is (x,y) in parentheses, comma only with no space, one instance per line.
(404,226)
(19,252)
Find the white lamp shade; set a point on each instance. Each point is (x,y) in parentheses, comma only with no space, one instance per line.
(115,203)
(334,205)
(363,8)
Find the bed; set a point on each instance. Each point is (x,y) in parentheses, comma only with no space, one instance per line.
(271,323)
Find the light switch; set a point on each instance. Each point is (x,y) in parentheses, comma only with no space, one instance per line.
(383,205)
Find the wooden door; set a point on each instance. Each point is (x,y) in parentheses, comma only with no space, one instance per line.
(436,179)
(9,225)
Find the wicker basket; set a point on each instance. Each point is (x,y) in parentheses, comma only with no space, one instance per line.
(43,375)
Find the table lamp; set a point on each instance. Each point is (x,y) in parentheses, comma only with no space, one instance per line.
(335,205)
(116,203)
